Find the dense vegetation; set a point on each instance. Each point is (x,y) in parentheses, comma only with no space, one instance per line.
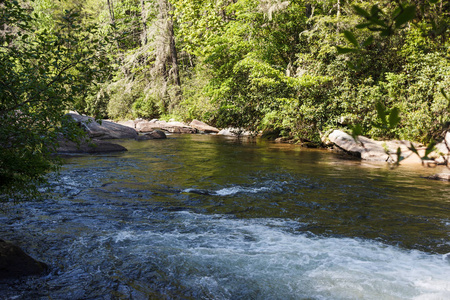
(290,68)
(273,65)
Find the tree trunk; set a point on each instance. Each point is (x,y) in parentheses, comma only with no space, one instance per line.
(173,50)
(144,23)
(111,11)
(113,22)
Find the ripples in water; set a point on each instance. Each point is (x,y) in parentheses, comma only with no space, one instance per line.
(239,221)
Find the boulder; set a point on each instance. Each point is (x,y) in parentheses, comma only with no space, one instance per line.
(177,127)
(200,126)
(87,146)
(172,127)
(14,262)
(129,123)
(152,135)
(369,149)
(146,126)
(105,130)
(443,147)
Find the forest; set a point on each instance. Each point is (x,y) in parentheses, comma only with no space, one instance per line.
(293,69)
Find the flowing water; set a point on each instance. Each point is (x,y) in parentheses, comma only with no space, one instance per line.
(208,217)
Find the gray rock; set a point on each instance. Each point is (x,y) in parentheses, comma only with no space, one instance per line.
(145,126)
(87,146)
(369,149)
(14,262)
(443,147)
(364,148)
(172,127)
(177,127)
(203,127)
(105,130)
(129,123)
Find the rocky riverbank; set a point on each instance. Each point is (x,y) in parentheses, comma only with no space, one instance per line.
(391,152)
(140,130)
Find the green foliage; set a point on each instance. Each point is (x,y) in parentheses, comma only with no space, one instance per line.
(278,66)
(146,108)
(41,75)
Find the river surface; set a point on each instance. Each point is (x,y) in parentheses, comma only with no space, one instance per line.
(209,217)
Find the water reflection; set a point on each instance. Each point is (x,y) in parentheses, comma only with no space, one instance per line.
(207,217)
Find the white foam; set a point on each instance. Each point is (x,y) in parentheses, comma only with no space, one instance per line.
(230,191)
(124,235)
(238,189)
(231,258)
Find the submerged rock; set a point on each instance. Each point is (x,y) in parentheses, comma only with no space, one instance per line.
(152,135)
(440,176)
(87,146)
(105,130)
(14,262)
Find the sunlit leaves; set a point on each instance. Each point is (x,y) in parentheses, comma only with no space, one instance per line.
(387,119)
(378,21)
(41,73)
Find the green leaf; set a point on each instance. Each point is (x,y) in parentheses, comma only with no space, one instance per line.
(413,149)
(351,38)
(368,41)
(374,11)
(405,16)
(394,118)
(444,94)
(361,11)
(381,113)
(363,25)
(386,32)
(356,131)
(430,148)
(342,50)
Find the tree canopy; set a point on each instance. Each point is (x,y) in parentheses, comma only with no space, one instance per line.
(43,71)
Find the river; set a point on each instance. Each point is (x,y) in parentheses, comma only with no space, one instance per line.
(210,217)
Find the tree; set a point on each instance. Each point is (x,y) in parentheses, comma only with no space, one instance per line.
(41,75)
